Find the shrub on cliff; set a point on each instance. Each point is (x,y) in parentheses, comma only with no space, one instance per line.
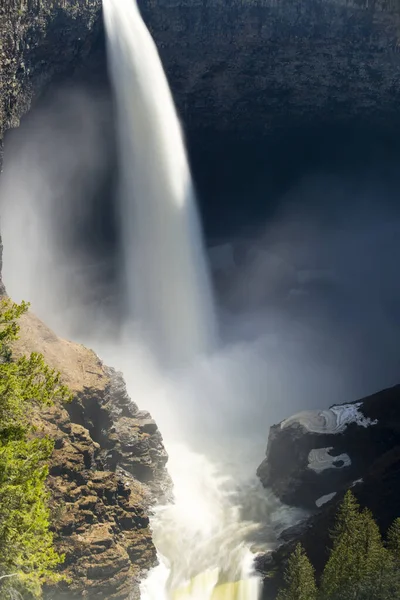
(27,555)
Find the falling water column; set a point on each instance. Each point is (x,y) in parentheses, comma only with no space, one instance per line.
(167,283)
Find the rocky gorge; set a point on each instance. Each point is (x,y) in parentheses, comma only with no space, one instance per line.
(243,70)
(259,77)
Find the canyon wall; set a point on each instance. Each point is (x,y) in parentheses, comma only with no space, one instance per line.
(40,39)
(251,66)
(242,66)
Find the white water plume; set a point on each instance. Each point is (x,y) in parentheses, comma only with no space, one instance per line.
(168,290)
(200,537)
(221,514)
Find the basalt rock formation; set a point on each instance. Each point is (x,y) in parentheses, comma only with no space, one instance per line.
(234,66)
(107,468)
(248,67)
(40,39)
(315,456)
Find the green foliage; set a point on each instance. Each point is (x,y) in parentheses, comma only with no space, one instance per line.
(393,546)
(299,578)
(360,565)
(27,555)
(355,566)
(393,540)
(9,313)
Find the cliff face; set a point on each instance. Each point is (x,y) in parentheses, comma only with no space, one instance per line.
(39,40)
(107,467)
(316,454)
(243,67)
(250,66)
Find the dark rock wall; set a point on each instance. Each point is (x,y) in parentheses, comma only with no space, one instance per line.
(296,479)
(379,491)
(234,66)
(251,66)
(39,40)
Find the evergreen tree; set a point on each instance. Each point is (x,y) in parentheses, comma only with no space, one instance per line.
(27,555)
(393,547)
(376,562)
(360,565)
(299,578)
(393,540)
(342,571)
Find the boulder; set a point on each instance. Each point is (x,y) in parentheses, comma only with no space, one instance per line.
(315,454)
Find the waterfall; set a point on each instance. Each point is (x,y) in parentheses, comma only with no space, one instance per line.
(200,536)
(167,284)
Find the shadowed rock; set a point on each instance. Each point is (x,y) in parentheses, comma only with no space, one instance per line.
(363,455)
(317,453)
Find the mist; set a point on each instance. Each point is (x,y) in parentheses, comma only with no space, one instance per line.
(59,244)
(308,304)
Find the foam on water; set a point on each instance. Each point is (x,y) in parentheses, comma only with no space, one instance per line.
(201,537)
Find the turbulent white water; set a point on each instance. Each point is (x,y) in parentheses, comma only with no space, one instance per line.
(168,289)
(200,537)
(204,537)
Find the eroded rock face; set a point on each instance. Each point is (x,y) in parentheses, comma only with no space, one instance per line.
(247,67)
(238,67)
(315,454)
(128,437)
(40,40)
(107,468)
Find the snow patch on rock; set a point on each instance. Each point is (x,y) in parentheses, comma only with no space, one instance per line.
(320,459)
(324,499)
(332,420)
(357,481)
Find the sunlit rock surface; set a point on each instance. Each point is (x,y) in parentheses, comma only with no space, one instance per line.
(106,469)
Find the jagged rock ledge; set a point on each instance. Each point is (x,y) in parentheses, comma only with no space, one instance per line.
(107,468)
